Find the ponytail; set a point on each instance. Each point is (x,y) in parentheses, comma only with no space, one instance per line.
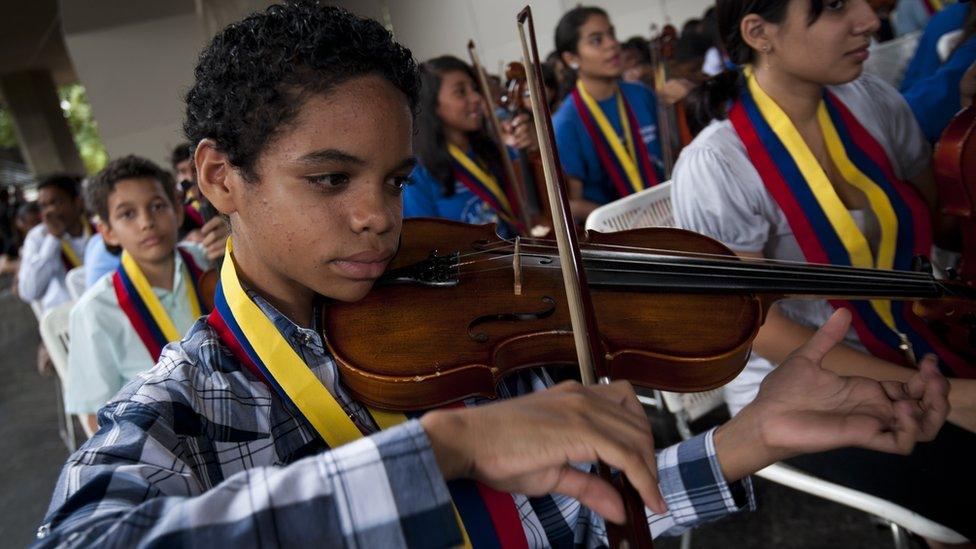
(711,100)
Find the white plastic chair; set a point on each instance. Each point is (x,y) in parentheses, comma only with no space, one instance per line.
(75,281)
(54,333)
(648,208)
(652,207)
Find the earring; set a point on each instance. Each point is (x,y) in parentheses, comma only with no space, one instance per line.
(574,66)
(766,48)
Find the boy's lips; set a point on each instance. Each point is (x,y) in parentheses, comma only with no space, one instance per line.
(364,265)
(150,241)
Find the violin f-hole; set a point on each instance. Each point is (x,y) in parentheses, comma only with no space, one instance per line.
(482,337)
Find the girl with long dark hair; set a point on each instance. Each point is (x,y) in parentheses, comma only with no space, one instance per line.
(809,160)
(460,174)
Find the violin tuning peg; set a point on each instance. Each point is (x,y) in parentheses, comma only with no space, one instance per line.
(921,264)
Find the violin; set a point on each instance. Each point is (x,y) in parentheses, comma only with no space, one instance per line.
(672,120)
(516,101)
(954,167)
(531,215)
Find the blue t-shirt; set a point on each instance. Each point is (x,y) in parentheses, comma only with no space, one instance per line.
(98,260)
(926,59)
(424,197)
(577,152)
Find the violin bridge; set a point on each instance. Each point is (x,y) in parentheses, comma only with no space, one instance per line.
(517,265)
(906,348)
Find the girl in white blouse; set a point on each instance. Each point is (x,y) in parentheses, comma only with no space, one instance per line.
(808,160)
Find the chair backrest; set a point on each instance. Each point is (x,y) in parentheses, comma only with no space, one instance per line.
(54,333)
(693,405)
(889,60)
(648,208)
(75,281)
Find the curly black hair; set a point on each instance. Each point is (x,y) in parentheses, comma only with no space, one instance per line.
(253,77)
(101,185)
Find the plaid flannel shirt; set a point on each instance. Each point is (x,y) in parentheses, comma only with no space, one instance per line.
(199,452)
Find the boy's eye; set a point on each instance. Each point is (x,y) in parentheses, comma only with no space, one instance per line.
(328,180)
(835,5)
(126,214)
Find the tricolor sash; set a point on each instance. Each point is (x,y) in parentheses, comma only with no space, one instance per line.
(146,314)
(192,209)
(932,6)
(482,183)
(69,258)
(823,226)
(627,162)
(488,518)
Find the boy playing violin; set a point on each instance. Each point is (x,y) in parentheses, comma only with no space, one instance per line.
(302,118)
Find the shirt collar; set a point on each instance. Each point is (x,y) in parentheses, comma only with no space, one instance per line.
(296,336)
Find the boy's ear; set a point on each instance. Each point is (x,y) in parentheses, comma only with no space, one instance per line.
(216,176)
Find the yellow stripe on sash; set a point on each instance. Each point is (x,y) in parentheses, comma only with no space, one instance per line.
(69,252)
(628,161)
(823,190)
(288,369)
(66,248)
(880,205)
(148,297)
(484,177)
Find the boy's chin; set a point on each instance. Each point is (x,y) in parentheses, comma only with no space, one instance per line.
(348,291)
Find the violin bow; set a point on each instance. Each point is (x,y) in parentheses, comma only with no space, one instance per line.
(496,129)
(589,350)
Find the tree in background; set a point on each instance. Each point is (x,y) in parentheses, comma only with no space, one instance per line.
(81,124)
(83,127)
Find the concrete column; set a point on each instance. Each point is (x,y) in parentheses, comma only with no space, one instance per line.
(42,131)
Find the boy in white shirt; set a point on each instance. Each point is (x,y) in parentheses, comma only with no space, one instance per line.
(119,326)
(55,246)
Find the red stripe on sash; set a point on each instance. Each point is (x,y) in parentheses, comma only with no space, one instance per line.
(135,319)
(617,178)
(908,193)
(505,517)
(643,156)
(764,164)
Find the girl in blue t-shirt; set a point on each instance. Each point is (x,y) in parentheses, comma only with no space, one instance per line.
(460,175)
(606,129)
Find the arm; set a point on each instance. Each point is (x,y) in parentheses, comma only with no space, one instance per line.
(129,487)
(580,206)
(40,262)
(780,335)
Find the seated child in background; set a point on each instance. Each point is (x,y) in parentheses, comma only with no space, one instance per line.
(54,247)
(119,326)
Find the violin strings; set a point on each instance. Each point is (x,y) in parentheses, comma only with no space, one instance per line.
(739,261)
(736,266)
(893,287)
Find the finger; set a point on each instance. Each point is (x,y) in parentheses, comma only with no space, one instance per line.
(593,492)
(935,400)
(632,462)
(828,336)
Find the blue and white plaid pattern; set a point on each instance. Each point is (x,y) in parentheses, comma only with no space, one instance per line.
(197,451)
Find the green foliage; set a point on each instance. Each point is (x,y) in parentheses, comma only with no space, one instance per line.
(8,139)
(83,127)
